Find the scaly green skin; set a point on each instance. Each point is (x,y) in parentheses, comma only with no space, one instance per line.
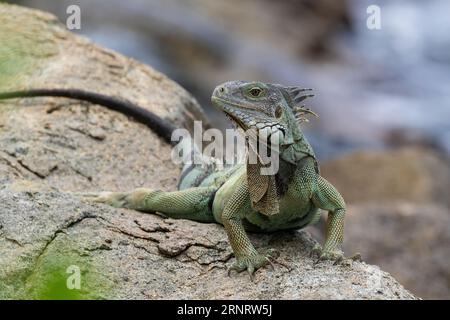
(228,196)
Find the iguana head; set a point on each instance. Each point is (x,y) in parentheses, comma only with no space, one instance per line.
(269,109)
(266,111)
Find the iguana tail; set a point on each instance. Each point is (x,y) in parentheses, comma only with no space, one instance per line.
(160,126)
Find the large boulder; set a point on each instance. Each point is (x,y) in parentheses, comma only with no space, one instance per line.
(51,147)
(72,145)
(126,254)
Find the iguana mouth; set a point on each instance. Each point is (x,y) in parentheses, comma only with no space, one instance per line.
(227,108)
(248,121)
(237,123)
(226,102)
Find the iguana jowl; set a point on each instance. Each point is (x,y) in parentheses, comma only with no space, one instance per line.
(238,197)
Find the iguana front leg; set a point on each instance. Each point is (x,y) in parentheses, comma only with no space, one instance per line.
(247,258)
(328,198)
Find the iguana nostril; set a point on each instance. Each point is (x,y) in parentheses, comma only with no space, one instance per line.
(221,90)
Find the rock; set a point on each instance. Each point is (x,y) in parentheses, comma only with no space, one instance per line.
(51,241)
(398,216)
(408,240)
(124,254)
(416,175)
(72,145)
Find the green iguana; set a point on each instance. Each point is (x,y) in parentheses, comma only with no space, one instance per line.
(239,197)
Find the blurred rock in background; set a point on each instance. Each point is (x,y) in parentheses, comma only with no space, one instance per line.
(409,240)
(398,214)
(378,92)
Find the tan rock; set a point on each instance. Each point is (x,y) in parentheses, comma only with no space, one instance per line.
(409,174)
(408,240)
(72,145)
(124,254)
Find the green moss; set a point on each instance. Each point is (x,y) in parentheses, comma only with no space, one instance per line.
(61,273)
(23,53)
(12,62)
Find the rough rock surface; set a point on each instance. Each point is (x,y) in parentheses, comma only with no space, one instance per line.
(69,144)
(143,256)
(59,146)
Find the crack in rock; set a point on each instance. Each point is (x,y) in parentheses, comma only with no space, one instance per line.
(53,237)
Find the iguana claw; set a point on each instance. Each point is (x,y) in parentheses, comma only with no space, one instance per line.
(251,264)
(337,256)
(115,199)
(316,250)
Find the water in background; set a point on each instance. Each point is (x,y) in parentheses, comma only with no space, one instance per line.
(375,88)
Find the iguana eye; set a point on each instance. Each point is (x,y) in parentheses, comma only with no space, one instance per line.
(278,112)
(255,92)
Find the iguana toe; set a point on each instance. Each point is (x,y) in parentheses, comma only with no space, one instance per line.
(114,199)
(337,256)
(315,251)
(249,263)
